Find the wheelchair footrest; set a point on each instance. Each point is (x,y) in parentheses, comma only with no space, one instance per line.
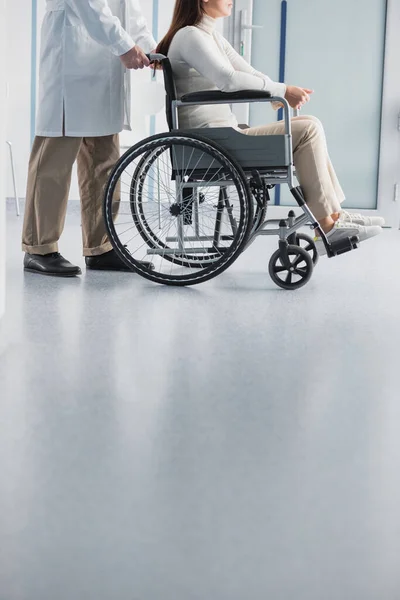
(343,246)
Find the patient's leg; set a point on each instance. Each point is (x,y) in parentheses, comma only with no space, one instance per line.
(335,181)
(315,172)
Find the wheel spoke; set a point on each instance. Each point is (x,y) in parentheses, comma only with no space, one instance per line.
(289,278)
(299,260)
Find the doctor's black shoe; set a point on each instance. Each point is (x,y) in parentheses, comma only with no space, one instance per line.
(50,264)
(110,261)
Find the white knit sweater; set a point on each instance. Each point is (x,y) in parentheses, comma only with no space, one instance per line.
(202,59)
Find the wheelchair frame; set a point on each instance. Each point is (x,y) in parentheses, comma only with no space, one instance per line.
(261,177)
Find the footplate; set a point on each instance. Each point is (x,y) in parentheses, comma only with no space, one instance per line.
(342,246)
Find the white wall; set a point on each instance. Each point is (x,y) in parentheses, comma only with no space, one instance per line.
(2,158)
(18,70)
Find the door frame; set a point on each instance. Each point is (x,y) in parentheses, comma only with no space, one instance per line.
(388,204)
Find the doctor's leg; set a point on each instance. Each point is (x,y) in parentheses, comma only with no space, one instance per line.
(49,181)
(96,159)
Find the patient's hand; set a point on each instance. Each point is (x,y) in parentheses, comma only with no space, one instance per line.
(135,59)
(297,96)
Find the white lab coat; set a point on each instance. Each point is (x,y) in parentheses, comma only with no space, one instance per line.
(82,79)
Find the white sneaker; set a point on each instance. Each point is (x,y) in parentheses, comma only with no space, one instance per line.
(359,219)
(341,230)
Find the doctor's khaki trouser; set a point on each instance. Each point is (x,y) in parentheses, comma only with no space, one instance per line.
(49,180)
(314,169)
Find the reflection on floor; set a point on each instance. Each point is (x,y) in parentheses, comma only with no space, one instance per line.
(226,442)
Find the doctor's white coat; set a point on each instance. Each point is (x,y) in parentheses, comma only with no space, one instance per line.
(82,82)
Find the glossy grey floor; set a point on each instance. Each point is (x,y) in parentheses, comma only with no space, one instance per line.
(226,442)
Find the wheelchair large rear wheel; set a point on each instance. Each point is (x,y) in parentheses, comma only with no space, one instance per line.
(181,203)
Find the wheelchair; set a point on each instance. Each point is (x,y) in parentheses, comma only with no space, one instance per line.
(197,198)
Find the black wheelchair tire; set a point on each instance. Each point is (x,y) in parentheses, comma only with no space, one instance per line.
(276,266)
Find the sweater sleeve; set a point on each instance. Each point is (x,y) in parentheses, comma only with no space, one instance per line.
(207,60)
(239,64)
(102,25)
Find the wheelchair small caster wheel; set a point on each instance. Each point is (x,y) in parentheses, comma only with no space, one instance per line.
(294,272)
(307,243)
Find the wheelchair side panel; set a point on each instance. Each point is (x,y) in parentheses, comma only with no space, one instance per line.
(251,152)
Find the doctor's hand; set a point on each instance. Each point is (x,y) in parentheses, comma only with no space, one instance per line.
(135,59)
(297,96)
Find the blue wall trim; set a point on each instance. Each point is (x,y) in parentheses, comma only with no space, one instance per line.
(282,72)
(33,68)
(155,35)
(282,50)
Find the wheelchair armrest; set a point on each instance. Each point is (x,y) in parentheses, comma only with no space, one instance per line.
(217,96)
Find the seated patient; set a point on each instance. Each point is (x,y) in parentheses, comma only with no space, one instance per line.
(202,59)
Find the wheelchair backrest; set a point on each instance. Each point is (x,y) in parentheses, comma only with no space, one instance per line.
(170,90)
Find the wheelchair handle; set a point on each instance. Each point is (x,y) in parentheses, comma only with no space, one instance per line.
(156,57)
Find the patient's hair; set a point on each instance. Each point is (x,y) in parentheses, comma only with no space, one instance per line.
(186,12)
